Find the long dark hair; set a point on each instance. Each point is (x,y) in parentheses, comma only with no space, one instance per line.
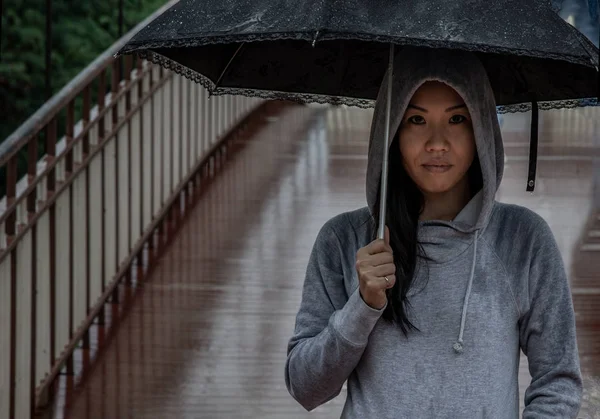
(405,203)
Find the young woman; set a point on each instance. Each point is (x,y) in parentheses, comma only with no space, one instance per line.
(428,323)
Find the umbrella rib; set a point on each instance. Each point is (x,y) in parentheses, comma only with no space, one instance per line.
(315,39)
(228,65)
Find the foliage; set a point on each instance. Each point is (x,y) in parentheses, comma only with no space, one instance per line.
(81,30)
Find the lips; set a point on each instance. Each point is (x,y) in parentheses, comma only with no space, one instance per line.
(437,166)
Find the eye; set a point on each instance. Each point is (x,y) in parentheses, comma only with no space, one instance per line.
(457,119)
(416,119)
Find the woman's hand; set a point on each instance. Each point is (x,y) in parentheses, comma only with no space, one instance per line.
(374,263)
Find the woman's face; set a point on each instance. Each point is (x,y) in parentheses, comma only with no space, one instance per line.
(436,139)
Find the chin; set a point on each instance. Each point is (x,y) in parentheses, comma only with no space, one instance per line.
(436,187)
(435,190)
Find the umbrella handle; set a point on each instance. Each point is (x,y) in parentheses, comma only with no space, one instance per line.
(384,166)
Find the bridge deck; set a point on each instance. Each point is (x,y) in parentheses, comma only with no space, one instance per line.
(206,334)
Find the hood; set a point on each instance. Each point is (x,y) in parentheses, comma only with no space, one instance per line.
(463,72)
(445,240)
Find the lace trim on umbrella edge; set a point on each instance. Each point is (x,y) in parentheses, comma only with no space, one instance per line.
(307,98)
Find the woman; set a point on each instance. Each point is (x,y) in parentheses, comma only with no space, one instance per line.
(428,322)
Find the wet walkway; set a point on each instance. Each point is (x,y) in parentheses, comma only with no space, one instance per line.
(206,337)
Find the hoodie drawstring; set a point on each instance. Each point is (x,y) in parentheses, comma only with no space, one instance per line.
(458,346)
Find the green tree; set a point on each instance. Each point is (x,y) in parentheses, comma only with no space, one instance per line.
(81,30)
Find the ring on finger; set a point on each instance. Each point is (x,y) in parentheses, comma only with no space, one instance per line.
(386,279)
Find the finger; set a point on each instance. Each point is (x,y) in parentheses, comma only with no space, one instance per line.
(379,259)
(383,270)
(376,246)
(373,275)
(381,283)
(374,263)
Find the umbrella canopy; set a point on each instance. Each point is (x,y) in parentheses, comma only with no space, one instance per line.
(336,51)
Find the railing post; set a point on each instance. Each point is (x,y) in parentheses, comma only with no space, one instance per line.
(32,156)
(143,140)
(85,153)
(11,182)
(85,118)
(50,156)
(50,190)
(114,88)
(32,151)
(11,193)
(128,69)
(34,294)
(101,135)
(101,103)
(69,136)
(115,73)
(69,170)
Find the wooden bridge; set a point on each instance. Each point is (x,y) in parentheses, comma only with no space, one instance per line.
(153,242)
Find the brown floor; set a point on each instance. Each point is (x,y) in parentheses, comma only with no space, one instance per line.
(207,335)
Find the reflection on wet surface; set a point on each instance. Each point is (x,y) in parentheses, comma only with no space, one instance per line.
(207,336)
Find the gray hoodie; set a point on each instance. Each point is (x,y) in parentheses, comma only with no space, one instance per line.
(495,284)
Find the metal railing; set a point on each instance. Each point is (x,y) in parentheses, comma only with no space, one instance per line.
(86,211)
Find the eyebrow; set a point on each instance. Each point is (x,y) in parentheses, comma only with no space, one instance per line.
(451,108)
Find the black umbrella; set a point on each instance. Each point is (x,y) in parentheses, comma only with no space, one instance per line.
(337,51)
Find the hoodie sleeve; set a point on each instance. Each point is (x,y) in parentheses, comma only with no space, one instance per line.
(548,336)
(331,331)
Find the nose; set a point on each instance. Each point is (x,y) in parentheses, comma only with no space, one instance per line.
(437,142)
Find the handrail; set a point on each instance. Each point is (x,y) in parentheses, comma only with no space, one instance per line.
(14,142)
(89,211)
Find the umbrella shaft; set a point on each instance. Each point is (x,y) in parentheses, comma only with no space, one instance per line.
(384,167)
